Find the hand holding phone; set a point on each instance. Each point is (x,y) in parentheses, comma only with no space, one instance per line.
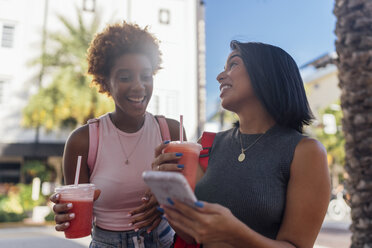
(171,185)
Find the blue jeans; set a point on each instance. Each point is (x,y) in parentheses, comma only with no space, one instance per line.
(161,237)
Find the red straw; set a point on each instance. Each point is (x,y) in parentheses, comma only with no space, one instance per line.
(77,173)
(181,128)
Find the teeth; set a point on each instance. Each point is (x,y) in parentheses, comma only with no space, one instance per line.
(136,99)
(226,87)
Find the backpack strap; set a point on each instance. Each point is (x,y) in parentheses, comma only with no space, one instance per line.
(206,142)
(164,129)
(93,143)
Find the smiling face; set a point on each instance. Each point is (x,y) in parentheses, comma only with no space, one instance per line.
(235,84)
(131,84)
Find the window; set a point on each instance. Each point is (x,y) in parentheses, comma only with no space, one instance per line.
(89,5)
(10,172)
(164,16)
(7,38)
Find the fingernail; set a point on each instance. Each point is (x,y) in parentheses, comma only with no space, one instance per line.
(72,215)
(67,223)
(178,154)
(199,204)
(136,230)
(170,201)
(181,166)
(129,215)
(148,231)
(130,224)
(161,210)
(69,205)
(144,198)
(166,142)
(57,196)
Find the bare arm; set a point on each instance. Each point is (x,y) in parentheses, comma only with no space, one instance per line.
(77,145)
(307,200)
(174,130)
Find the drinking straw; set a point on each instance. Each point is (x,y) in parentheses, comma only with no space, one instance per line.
(181,128)
(77,173)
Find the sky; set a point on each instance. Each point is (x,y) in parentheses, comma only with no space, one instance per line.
(303,28)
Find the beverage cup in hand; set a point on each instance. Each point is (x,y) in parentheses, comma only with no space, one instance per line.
(190,158)
(81,197)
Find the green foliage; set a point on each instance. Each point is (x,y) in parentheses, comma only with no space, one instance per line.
(228,117)
(11,217)
(18,200)
(334,143)
(36,168)
(25,198)
(67,100)
(50,216)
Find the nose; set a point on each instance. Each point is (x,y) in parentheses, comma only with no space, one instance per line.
(220,76)
(139,84)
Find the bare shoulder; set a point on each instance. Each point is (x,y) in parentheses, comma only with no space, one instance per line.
(310,147)
(79,138)
(77,144)
(310,157)
(307,194)
(174,127)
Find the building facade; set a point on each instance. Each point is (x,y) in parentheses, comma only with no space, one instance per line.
(320,77)
(179,88)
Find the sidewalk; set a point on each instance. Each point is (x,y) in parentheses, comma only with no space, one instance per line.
(38,236)
(334,234)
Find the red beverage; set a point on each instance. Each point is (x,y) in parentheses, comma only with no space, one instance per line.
(81,225)
(190,158)
(81,197)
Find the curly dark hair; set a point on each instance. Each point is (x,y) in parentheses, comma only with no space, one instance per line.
(116,40)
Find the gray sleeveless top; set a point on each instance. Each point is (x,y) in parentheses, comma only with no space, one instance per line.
(255,189)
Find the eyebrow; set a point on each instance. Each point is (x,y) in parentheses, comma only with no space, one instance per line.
(233,56)
(147,69)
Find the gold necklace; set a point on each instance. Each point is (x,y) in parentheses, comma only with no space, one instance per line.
(127,157)
(241,157)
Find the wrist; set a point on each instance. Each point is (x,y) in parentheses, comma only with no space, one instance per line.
(238,234)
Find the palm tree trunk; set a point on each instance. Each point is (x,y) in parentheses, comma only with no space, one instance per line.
(354,49)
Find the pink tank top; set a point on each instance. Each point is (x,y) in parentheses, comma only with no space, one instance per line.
(121,184)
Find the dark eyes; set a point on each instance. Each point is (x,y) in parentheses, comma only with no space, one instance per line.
(129,78)
(146,77)
(124,78)
(232,64)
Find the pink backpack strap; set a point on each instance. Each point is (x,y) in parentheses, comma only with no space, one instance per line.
(93,143)
(164,129)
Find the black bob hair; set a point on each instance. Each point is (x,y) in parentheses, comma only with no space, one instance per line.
(277,83)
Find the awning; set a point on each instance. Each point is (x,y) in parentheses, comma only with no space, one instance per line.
(31,149)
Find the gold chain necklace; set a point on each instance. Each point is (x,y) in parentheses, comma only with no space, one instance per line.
(127,157)
(241,157)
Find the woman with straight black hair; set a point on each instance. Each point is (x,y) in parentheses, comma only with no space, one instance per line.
(277,82)
(267,184)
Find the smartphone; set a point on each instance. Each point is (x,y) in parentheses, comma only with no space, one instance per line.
(173,185)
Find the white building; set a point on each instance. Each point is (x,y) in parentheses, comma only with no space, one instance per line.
(320,77)
(179,88)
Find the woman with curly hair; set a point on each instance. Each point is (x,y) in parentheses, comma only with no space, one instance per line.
(122,60)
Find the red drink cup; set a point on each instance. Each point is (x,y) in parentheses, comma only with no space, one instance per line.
(81,197)
(190,158)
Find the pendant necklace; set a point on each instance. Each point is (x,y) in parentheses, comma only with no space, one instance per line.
(127,157)
(241,157)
